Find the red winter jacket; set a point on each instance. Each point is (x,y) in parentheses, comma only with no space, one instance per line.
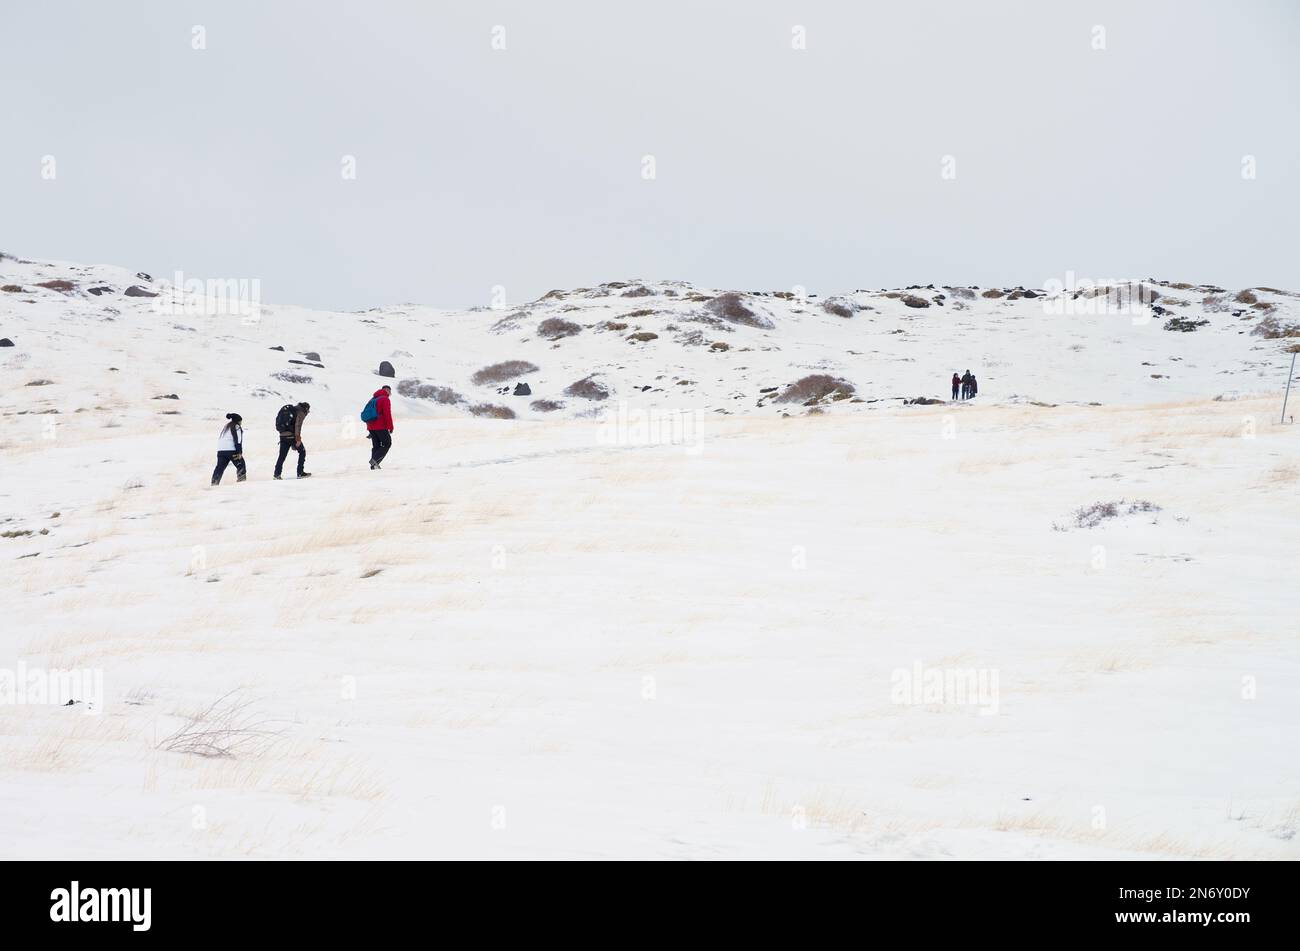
(384,419)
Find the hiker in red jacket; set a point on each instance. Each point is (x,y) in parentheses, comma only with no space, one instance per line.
(381,427)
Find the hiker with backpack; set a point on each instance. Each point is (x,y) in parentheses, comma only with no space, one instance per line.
(288,423)
(230,448)
(378,417)
(974,385)
(956,384)
(965,385)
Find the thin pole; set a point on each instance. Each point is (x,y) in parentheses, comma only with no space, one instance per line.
(1288,386)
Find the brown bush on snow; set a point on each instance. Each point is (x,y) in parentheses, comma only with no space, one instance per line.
(415,390)
(554,328)
(587,388)
(491,411)
(731,308)
(501,372)
(816,387)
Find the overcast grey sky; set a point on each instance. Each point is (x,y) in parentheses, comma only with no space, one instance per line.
(774,166)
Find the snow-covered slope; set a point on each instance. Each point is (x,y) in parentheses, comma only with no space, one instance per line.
(548,636)
(643,344)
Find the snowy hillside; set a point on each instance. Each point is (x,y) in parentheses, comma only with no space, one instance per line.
(645,344)
(554,636)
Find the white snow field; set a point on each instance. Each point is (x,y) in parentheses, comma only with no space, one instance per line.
(856,628)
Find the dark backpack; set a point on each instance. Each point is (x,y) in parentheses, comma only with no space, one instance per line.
(285,419)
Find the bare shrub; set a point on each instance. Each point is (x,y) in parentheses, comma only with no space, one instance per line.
(992,293)
(545,406)
(492,411)
(965,293)
(614,325)
(816,387)
(839,307)
(1215,304)
(1246,297)
(63,286)
(1184,324)
(587,388)
(633,314)
(639,291)
(911,300)
(1090,516)
(1270,328)
(224,729)
(553,328)
(731,308)
(415,390)
(288,377)
(501,372)
(643,336)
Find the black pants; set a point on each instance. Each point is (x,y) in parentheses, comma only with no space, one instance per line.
(224,458)
(381,440)
(286,443)
(955,387)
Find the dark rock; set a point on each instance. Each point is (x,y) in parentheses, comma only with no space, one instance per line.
(523,389)
(143,276)
(135,290)
(167,396)
(312,355)
(281,349)
(6,342)
(99,290)
(308,363)
(386,369)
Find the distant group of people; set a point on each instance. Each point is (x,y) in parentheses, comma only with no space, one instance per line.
(377,415)
(964,386)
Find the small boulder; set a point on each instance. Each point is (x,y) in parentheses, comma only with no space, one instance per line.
(6,342)
(141,275)
(312,355)
(135,290)
(523,389)
(386,369)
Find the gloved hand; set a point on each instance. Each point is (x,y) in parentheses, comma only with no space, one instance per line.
(238,455)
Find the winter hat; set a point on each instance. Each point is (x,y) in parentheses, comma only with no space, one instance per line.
(234,417)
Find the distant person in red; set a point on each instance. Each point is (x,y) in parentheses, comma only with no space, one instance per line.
(380,425)
(956,385)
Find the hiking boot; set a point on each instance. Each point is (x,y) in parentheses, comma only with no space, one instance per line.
(242,478)
(275,477)
(304,475)
(373,465)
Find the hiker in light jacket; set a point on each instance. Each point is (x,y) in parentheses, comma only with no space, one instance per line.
(288,422)
(230,448)
(380,427)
